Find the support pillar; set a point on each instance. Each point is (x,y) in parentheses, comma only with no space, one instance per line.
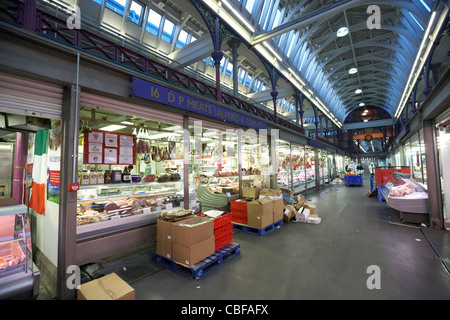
(300,105)
(234,44)
(20,161)
(433,175)
(274,95)
(29,15)
(217,57)
(68,201)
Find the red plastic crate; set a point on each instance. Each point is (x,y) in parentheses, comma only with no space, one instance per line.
(223,241)
(219,232)
(239,216)
(383,176)
(240,204)
(222,220)
(219,221)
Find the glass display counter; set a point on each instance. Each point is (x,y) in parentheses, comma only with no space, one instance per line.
(405,194)
(104,207)
(19,277)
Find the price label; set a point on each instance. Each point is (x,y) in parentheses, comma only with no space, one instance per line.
(169,206)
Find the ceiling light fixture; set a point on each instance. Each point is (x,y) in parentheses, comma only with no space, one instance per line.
(342,32)
(362,104)
(358,91)
(113,127)
(353,71)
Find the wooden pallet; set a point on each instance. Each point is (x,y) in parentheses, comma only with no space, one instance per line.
(259,232)
(201,268)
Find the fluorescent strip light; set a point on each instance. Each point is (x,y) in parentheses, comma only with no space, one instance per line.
(243,20)
(414,75)
(113,127)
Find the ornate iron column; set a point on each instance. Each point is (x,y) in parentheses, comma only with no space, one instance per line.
(234,44)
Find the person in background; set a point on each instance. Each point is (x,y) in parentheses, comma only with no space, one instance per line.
(352,168)
(372,173)
(371,169)
(360,170)
(346,167)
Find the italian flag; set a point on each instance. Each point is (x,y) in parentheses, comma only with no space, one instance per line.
(39,175)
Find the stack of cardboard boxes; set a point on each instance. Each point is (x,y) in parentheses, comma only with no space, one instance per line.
(298,211)
(187,241)
(261,208)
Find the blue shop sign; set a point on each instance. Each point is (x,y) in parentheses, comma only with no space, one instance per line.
(154,92)
(316,144)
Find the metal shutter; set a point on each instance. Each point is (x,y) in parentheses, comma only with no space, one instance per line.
(30,97)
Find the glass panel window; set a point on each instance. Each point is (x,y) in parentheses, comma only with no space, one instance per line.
(182,39)
(117,6)
(98,1)
(248,80)
(135,12)
(193,39)
(249,5)
(277,19)
(241,75)
(167,33)
(153,22)
(229,70)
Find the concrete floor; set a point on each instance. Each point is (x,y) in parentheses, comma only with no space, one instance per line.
(329,260)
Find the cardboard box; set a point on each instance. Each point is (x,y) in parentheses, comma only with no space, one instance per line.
(260,207)
(302,215)
(270,192)
(315,220)
(109,287)
(190,255)
(260,222)
(192,230)
(164,229)
(278,209)
(289,212)
(300,199)
(248,192)
(164,247)
(312,208)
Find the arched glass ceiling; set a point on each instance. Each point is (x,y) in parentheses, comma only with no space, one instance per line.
(383,57)
(303,34)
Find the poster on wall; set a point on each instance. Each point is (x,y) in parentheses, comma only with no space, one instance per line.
(103,147)
(54,163)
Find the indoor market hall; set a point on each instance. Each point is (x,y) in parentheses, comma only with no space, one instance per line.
(224,157)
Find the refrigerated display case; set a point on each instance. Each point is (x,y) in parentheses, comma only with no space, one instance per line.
(105,207)
(285,165)
(410,197)
(19,277)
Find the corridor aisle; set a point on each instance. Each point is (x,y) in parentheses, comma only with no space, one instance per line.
(329,260)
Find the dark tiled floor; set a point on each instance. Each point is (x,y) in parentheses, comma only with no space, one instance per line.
(307,261)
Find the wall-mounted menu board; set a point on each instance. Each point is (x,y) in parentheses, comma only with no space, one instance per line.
(104,147)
